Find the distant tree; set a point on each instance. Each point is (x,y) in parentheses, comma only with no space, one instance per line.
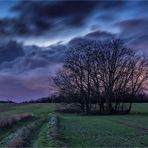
(104,73)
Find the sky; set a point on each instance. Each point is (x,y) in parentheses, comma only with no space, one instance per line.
(34,36)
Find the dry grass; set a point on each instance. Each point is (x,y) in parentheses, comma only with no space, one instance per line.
(10,120)
(24,136)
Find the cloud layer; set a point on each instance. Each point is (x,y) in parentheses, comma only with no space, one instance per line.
(27,75)
(26,67)
(54,19)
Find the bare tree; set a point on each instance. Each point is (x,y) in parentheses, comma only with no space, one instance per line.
(105,73)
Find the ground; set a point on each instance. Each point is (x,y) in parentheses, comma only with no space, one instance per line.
(80,130)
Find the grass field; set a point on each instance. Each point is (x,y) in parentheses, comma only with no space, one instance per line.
(75,130)
(107,131)
(35,108)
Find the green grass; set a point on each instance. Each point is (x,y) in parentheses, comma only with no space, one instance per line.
(107,131)
(35,108)
(43,138)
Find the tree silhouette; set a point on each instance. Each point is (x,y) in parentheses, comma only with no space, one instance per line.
(106,73)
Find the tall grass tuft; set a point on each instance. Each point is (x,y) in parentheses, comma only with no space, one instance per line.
(9,121)
(23,137)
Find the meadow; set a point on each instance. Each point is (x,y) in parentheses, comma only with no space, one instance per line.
(107,131)
(74,130)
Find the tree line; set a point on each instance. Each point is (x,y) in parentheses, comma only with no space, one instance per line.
(103,75)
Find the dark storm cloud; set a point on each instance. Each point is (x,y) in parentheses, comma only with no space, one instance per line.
(43,17)
(36,17)
(33,57)
(96,35)
(29,75)
(106,18)
(133,24)
(135,33)
(78,40)
(100,35)
(16,57)
(10,51)
(139,43)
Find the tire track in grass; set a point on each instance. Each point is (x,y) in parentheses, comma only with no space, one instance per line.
(42,138)
(36,133)
(143,131)
(135,121)
(109,131)
(97,132)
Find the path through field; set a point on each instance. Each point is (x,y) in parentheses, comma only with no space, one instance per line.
(31,132)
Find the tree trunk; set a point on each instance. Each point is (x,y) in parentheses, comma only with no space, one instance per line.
(129,109)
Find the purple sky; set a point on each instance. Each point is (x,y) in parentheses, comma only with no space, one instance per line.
(34,36)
